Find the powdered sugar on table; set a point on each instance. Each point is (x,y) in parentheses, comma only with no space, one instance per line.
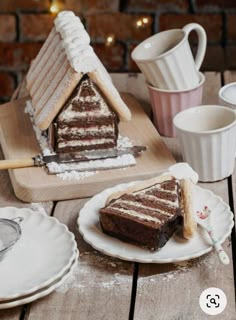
(80,170)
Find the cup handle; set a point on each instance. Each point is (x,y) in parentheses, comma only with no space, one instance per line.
(202,41)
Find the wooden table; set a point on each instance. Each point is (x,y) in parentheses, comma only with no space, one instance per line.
(108,288)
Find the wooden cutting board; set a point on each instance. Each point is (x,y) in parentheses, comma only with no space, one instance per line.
(34,184)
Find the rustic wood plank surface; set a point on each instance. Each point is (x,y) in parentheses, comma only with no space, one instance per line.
(100,287)
(175,288)
(7,198)
(34,184)
(230,76)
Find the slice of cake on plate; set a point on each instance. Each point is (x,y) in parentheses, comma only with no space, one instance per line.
(148,213)
(76,112)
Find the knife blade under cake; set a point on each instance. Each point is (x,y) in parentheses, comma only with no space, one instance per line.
(41,160)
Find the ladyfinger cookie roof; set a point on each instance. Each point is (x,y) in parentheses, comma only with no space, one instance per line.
(59,66)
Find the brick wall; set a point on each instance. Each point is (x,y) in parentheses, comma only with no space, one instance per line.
(24,25)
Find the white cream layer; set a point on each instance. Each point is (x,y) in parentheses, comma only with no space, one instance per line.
(90,130)
(90,142)
(69,114)
(142,216)
(142,206)
(138,215)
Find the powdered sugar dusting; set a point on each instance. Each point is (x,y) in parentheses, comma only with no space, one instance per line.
(40,135)
(83,276)
(123,142)
(79,170)
(74,175)
(93,165)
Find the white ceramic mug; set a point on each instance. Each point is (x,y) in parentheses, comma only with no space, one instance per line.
(166,59)
(207,136)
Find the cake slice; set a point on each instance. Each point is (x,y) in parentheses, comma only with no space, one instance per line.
(149,213)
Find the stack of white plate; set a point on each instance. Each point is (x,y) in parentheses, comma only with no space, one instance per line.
(42,259)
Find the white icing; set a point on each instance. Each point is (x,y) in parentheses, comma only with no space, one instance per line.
(75,41)
(138,215)
(89,142)
(137,204)
(89,130)
(183,170)
(151,197)
(158,187)
(140,205)
(69,114)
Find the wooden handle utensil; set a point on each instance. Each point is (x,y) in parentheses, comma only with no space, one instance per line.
(16,163)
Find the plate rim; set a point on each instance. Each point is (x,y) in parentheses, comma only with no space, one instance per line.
(44,291)
(59,273)
(147,260)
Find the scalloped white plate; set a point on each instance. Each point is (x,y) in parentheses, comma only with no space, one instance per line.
(176,249)
(44,291)
(44,252)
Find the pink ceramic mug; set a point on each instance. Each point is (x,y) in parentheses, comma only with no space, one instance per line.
(167,103)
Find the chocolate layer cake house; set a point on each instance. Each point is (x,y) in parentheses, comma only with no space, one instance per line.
(86,122)
(73,98)
(149,213)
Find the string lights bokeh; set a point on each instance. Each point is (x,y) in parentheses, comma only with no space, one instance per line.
(56,6)
(142,22)
(110,40)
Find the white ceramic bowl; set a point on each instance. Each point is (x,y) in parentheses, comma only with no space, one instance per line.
(227,95)
(207,135)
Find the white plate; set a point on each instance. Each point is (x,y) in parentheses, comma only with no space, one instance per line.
(176,249)
(43,292)
(43,253)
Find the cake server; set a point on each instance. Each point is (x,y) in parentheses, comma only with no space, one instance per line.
(41,160)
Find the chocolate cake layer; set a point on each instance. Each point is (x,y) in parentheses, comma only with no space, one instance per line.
(147,218)
(86,122)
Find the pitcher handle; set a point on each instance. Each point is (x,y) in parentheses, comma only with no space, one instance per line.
(202,41)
